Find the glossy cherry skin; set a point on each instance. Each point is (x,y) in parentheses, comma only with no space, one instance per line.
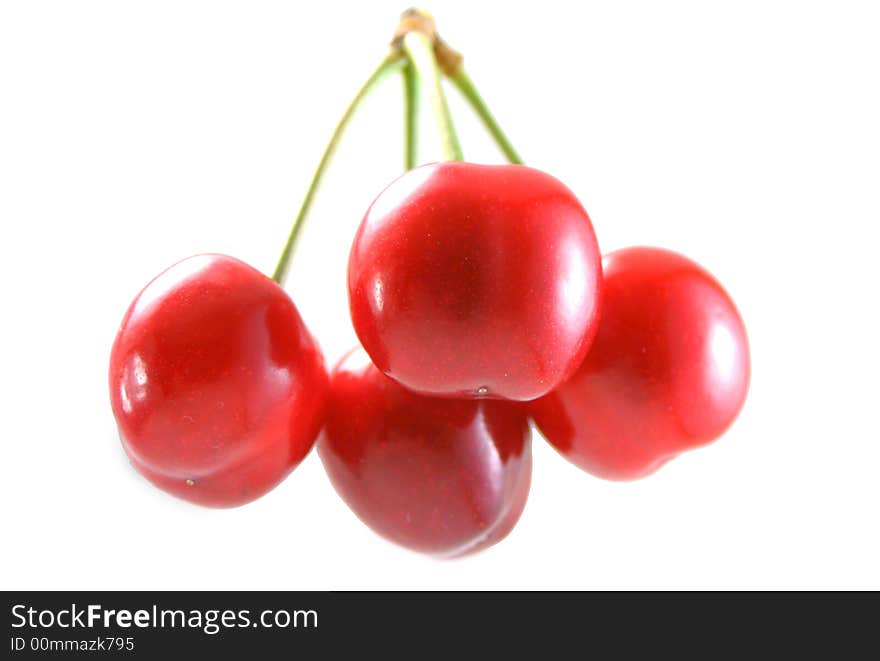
(476,281)
(667,372)
(217,386)
(436,475)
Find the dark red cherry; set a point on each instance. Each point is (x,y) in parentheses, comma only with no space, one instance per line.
(667,372)
(436,475)
(476,281)
(216,384)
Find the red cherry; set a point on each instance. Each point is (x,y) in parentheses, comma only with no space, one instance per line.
(667,372)
(476,281)
(441,476)
(216,384)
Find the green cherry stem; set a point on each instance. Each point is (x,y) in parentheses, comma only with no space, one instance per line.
(420,51)
(468,90)
(392,61)
(410,116)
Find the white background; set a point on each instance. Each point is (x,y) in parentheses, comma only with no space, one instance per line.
(743,134)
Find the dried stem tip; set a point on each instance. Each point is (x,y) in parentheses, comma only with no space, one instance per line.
(418,20)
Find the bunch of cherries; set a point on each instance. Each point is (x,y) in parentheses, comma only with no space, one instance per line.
(481,301)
